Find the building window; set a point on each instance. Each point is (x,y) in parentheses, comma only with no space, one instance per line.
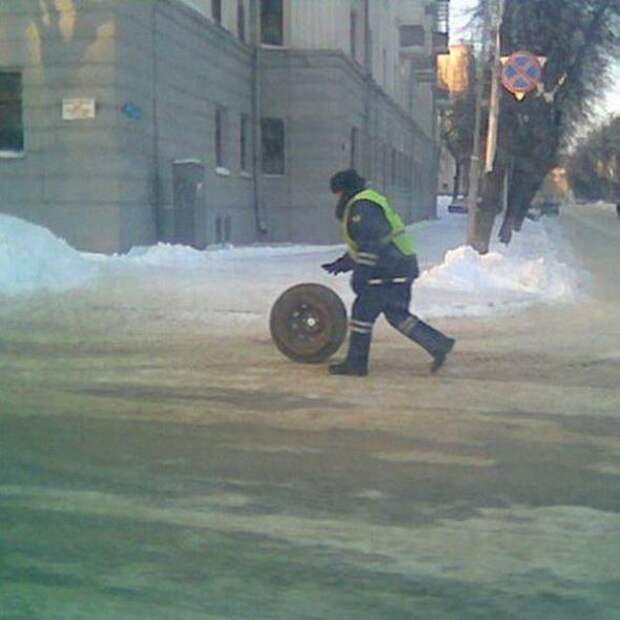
(411,35)
(11,123)
(271,22)
(220,136)
(354,146)
(216,10)
(272,131)
(241,20)
(353,34)
(244,146)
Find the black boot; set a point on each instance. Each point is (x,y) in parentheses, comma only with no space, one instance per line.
(356,362)
(431,340)
(439,357)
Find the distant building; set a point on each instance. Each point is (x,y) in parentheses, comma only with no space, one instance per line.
(454,69)
(454,80)
(126,123)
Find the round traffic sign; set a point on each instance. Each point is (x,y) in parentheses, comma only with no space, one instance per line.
(521,73)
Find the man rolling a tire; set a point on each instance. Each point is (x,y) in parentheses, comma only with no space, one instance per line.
(381,255)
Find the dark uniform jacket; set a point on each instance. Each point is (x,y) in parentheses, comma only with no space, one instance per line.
(381,261)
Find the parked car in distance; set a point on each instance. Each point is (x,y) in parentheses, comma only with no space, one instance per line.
(459,205)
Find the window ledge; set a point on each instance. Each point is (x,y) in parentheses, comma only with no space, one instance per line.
(223,172)
(12,155)
(272,175)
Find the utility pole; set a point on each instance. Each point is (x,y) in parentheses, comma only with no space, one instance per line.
(474,170)
(495,74)
(367,128)
(491,142)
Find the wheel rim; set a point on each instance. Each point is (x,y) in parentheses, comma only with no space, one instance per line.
(308,323)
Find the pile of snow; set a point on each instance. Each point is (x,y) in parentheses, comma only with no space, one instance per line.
(465,270)
(171,256)
(227,281)
(32,258)
(163,255)
(532,269)
(482,284)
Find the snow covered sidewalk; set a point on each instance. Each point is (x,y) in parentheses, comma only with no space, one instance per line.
(240,284)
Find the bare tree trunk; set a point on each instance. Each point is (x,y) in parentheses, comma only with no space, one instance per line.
(522,189)
(465,175)
(457,181)
(490,206)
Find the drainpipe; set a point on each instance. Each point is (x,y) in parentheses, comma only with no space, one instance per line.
(158,223)
(368,84)
(261,226)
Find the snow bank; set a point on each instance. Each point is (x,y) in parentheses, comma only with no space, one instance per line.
(532,269)
(227,281)
(483,284)
(171,256)
(32,259)
(463,269)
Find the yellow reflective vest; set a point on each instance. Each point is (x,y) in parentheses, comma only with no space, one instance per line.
(398,235)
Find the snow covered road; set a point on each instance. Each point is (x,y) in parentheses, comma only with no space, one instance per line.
(161,459)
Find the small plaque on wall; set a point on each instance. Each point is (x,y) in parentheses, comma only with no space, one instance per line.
(78,109)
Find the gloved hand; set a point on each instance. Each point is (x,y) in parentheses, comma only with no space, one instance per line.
(342,265)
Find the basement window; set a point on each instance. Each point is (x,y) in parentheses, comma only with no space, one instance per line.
(11,120)
(272,131)
(272,22)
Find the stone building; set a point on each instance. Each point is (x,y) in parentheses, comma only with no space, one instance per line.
(128,122)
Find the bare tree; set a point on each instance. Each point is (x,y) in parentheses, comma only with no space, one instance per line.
(576,37)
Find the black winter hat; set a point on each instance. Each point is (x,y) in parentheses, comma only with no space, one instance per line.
(347,181)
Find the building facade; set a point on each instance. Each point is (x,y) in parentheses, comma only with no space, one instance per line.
(127,122)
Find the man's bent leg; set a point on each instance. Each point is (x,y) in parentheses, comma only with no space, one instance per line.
(430,339)
(366,309)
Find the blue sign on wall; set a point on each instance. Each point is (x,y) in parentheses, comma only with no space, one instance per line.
(132,111)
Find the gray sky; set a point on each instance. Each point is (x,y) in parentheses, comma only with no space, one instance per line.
(610,103)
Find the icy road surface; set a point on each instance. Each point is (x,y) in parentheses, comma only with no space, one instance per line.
(162,462)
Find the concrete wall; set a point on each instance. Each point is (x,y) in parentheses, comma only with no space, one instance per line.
(67,178)
(178,65)
(105,184)
(321,96)
(200,66)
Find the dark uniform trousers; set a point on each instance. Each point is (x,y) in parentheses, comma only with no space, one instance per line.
(393,300)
